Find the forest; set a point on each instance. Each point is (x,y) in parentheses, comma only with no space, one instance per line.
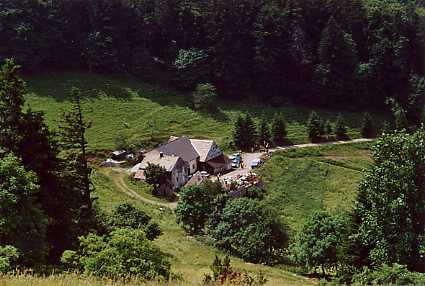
(352,213)
(343,54)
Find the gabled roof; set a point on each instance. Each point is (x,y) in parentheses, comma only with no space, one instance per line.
(154,157)
(203,147)
(196,180)
(181,147)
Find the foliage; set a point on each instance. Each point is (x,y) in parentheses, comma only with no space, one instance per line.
(122,253)
(389,210)
(77,172)
(315,127)
(23,223)
(190,68)
(340,128)
(264,137)
(8,258)
(204,97)
(195,205)
(388,275)
(24,133)
(355,54)
(245,134)
(126,215)
(250,230)
(367,129)
(319,242)
(156,176)
(223,273)
(279,132)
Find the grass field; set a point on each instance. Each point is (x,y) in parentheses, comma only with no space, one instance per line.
(300,181)
(147,114)
(189,256)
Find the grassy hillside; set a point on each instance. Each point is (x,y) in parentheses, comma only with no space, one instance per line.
(148,114)
(300,181)
(189,256)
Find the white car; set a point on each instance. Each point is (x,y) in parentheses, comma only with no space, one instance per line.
(256,163)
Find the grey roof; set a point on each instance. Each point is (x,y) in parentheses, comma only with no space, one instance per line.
(166,161)
(203,148)
(181,147)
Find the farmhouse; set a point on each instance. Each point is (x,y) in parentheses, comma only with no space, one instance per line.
(183,157)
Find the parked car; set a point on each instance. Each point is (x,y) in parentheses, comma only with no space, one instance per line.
(236,160)
(256,163)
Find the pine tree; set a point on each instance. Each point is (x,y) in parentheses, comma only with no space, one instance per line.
(239,133)
(279,132)
(73,141)
(340,128)
(314,127)
(251,132)
(328,128)
(367,130)
(264,132)
(26,135)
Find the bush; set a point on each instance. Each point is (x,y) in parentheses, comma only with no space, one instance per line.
(315,127)
(249,229)
(196,205)
(319,241)
(127,216)
(9,256)
(340,128)
(389,275)
(204,97)
(122,253)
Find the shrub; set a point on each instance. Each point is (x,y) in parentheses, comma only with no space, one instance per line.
(204,97)
(249,229)
(127,216)
(122,253)
(319,241)
(340,128)
(196,205)
(389,275)
(8,258)
(315,127)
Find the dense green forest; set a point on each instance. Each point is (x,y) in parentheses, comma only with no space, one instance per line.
(323,52)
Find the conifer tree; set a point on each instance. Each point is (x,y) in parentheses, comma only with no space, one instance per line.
(73,141)
(328,128)
(264,132)
(340,128)
(367,130)
(315,127)
(279,132)
(239,133)
(251,132)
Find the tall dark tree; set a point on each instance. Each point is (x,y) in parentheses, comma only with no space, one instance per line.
(279,132)
(264,138)
(367,129)
(338,64)
(340,128)
(73,141)
(25,134)
(315,127)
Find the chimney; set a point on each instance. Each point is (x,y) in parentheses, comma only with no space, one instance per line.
(161,155)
